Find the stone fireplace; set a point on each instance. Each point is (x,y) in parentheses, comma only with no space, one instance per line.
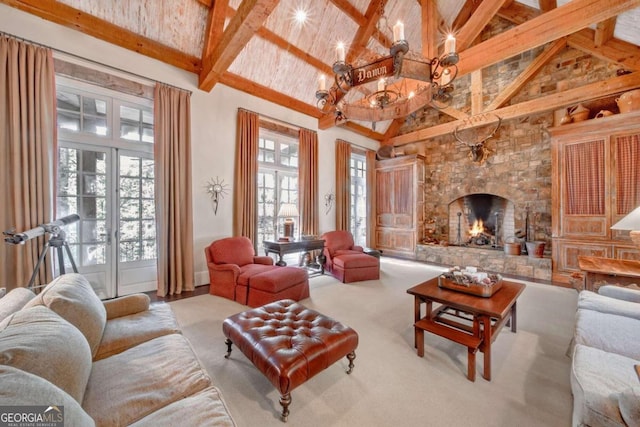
(514,183)
(481,220)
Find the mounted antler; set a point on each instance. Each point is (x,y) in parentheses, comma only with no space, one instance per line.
(479,152)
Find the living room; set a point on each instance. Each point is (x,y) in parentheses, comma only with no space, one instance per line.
(519,167)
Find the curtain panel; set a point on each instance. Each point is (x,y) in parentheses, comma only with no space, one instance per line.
(585,173)
(343,184)
(28,143)
(308,183)
(371,198)
(628,176)
(245,215)
(174,212)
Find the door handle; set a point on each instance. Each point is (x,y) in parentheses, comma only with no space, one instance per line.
(107,235)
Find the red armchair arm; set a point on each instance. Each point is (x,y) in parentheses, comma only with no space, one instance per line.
(265,260)
(357,248)
(223,278)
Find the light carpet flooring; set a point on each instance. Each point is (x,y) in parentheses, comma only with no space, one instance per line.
(390,385)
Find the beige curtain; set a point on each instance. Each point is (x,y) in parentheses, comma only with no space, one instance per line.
(245,215)
(174,213)
(371,198)
(28,147)
(585,176)
(627,173)
(343,184)
(308,182)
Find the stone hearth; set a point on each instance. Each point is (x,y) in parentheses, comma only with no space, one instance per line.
(491,260)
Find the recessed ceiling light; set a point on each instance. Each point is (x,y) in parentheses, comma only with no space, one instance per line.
(301,16)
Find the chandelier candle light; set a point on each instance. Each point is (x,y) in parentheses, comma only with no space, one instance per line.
(388,102)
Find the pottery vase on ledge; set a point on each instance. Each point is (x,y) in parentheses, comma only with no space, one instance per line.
(579,113)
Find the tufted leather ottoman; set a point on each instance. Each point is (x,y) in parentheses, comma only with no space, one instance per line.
(289,343)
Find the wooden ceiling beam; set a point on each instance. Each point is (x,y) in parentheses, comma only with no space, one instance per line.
(268,94)
(364,33)
(394,127)
(547,5)
(430,19)
(78,20)
(527,74)
(207,3)
(248,19)
(348,9)
(542,29)
(363,130)
(615,50)
(554,101)
(468,8)
(215,26)
(604,31)
(476,23)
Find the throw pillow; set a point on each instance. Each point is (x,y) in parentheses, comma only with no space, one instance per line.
(72,297)
(38,341)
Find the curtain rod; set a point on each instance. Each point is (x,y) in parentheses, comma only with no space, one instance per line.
(91,61)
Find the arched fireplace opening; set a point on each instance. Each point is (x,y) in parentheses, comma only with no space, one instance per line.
(481,220)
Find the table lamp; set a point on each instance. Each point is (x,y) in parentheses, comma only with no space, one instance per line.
(288,211)
(630,222)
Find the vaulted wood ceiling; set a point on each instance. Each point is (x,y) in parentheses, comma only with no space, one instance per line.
(258,47)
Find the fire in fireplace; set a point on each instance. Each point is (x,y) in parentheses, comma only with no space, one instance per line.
(481,219)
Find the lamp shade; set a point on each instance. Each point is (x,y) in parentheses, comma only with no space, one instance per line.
(288,210)
(629,222)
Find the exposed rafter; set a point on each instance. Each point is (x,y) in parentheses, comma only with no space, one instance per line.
(604,88)
(250,16)
(215,26)
(476,23)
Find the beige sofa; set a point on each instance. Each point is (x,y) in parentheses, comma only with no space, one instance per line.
(113,363)
(604,381)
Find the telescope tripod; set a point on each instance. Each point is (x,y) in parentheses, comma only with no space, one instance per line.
(56,241)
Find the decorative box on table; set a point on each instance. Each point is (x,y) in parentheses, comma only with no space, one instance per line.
(471,281)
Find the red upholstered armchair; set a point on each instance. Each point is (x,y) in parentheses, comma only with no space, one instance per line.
(231,262)
(346,261)
(235,272)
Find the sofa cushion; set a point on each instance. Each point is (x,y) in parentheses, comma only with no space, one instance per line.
(22,388)
(250,270)
(604,304)
(597,377)
(72,297)
(14,301)
(608,332)
(203,409)
(39,341)
(122,333)
(128,386)
(629,404)
(629,293)
(126,305)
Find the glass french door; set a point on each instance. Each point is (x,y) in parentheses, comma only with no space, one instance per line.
(114,242)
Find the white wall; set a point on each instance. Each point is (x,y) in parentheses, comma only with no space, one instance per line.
(213,121)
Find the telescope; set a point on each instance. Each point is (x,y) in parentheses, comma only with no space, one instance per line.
(51,228)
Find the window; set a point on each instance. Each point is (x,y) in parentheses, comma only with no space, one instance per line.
(277,181)
(358,214)
(106,176)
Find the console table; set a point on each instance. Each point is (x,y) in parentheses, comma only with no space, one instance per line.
(600,271)
(282,248)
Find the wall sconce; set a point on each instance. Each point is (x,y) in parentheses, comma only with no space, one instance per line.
(216,189)
(328,202)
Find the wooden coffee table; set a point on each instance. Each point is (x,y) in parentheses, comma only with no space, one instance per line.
(469,320)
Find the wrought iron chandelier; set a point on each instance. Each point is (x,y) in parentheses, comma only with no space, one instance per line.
(390,101)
